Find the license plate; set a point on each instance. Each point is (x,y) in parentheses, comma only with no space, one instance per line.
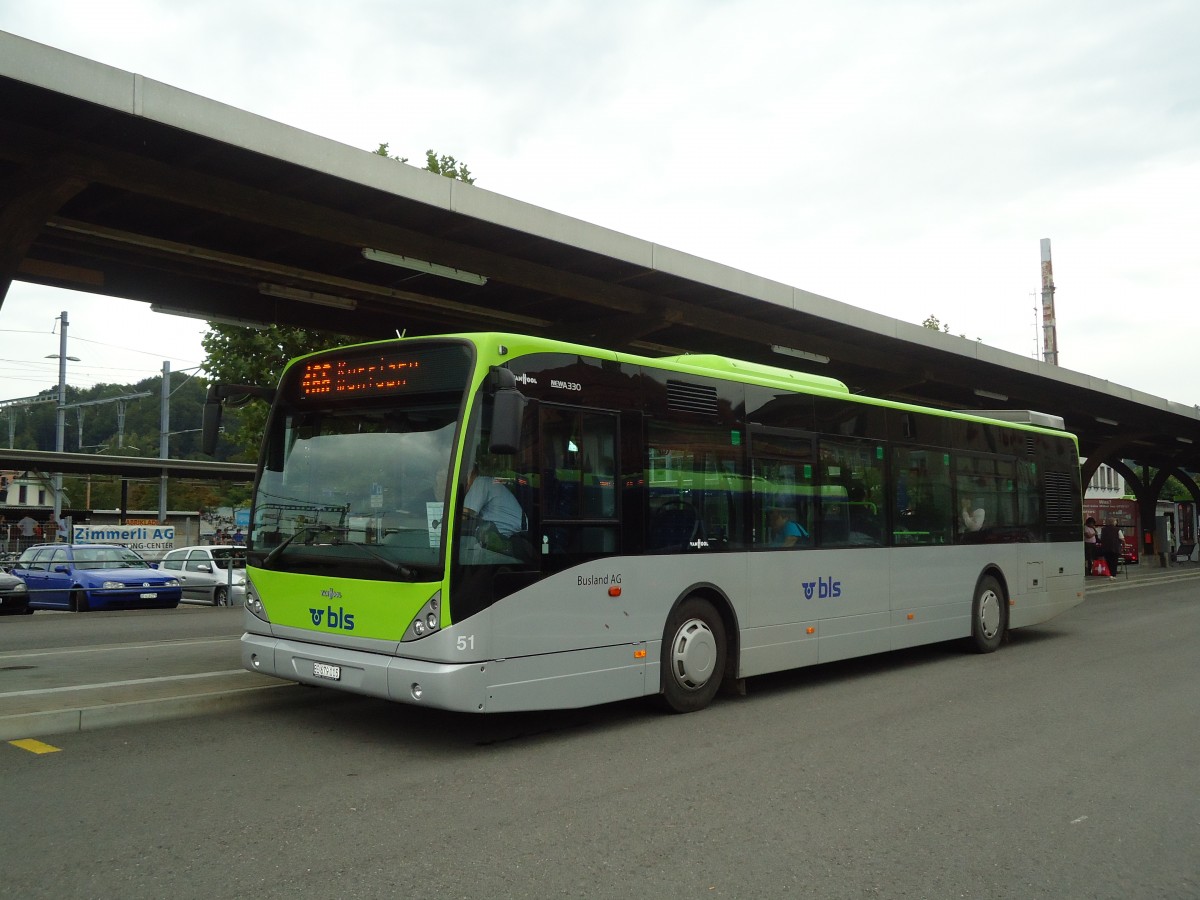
(324,670)
(147,596)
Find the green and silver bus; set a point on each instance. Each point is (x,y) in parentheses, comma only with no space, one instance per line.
(642,553)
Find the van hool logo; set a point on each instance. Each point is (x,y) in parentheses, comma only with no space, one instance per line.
(823,587)
(525,379)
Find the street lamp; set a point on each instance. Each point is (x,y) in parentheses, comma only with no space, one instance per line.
(60,424)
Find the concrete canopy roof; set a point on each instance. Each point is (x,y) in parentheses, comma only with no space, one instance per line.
(121,186)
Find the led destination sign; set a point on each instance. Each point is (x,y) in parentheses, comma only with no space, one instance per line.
(382,374)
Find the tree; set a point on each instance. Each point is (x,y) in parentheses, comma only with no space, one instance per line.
(443,165)
(934,324)
(237,354)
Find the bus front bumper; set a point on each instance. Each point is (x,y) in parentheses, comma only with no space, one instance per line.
(461,687)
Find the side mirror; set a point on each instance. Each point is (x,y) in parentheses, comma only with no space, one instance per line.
(218,395)
(508,410)
(211,423)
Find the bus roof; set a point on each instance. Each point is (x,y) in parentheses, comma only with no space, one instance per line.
(715,365)
(726,367)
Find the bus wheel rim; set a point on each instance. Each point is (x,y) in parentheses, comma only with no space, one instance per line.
(989,613)
(693,655)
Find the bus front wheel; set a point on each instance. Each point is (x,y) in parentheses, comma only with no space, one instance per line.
(693,656)
(989,616)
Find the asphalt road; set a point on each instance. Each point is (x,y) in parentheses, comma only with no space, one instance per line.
(1065,765)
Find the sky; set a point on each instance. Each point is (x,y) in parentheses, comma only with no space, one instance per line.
(902,156)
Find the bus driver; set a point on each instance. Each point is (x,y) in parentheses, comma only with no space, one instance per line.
(490,502)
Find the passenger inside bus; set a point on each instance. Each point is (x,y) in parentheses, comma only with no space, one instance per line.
(972,516)
(785,531)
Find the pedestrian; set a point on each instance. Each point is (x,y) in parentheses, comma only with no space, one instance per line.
(1091,544)
(1110,545)
(27,527)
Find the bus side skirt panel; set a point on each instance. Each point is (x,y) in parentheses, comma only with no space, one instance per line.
(565,680)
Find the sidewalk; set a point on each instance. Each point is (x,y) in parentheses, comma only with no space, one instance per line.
(55,690)
(1142,575)
(47,691)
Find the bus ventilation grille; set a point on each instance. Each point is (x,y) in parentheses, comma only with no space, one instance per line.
(1060,506)
(692,398)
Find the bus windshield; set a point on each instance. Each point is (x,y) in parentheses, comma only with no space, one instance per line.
(344,489)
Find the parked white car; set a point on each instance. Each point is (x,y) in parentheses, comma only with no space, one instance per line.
(206,575)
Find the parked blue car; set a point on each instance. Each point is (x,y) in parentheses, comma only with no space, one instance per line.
(82,577)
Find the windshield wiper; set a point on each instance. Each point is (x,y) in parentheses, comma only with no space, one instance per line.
(398,568)
(276,551)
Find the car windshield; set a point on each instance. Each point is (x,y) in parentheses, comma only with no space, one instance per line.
(222,555)
(356,488)
(107,558)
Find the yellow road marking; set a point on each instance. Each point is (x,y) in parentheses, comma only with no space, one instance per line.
(34,746)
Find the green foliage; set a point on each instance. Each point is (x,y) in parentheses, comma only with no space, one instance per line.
(100,430)
(448,166)
(382,150)
(235,354)
(935,325)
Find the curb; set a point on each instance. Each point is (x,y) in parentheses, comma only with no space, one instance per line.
(134,712)
(1122,584)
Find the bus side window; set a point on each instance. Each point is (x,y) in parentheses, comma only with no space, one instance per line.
(922,513)
(851,493)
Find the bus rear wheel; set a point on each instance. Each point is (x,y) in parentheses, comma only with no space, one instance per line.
(693,656)
(989,616)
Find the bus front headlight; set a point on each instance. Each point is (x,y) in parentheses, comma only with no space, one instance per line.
(427,621)
(254,605)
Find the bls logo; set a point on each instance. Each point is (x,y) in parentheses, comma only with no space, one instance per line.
(824,588)
(333,619)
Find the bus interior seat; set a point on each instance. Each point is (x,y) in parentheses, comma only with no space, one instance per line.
(672,525)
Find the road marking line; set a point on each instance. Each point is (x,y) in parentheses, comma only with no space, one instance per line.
(35,746)
(109,684)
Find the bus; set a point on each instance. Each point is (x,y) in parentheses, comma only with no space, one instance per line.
(639,557)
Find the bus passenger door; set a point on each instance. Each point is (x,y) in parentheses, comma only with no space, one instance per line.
(578,478)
